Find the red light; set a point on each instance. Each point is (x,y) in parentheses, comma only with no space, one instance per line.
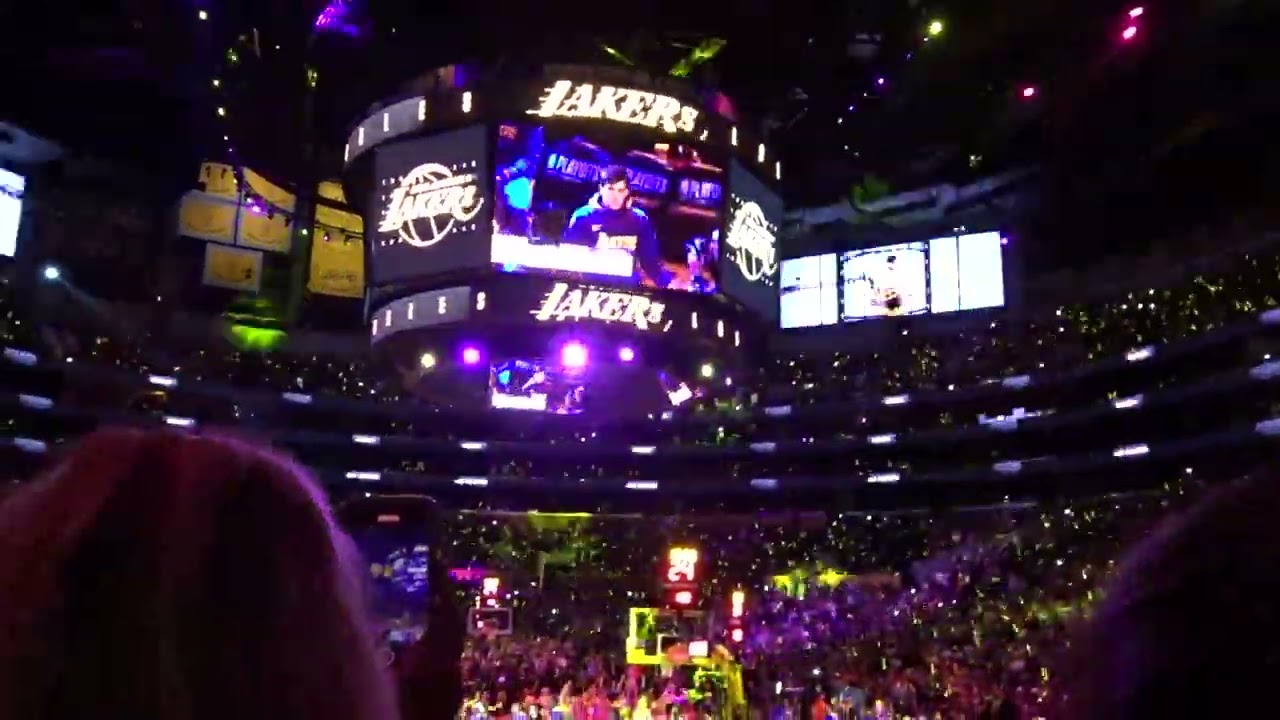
(1129,32)
(684,597)
(736,635)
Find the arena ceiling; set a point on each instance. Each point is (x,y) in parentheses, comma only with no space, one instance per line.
(997,83)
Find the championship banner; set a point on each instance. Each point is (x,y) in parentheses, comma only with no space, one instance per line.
(327,217)
(337,263)
(220,180)
(232,268)
(207,217)
(272,193)
(263,230)
(332,190)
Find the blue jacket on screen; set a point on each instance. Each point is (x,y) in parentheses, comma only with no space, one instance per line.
(628,228)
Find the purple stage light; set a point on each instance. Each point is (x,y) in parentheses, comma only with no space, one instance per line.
(470,355)
(626,354)
(573,355)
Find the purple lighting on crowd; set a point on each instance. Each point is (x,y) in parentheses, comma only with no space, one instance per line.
(573,355)
(470,355)
(626,354)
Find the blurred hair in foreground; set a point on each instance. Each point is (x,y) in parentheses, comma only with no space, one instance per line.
(1190,626)
(157,575)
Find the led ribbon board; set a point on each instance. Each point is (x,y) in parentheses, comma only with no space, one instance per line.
(753,244)
(567,99)
(575,303)
(430,201)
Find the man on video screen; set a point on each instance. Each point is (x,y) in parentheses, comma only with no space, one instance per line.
(609,220)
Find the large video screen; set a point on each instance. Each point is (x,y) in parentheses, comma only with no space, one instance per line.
(531,384)
(12,189)
(749,264)
(607,207)
(942,275)
(431,207)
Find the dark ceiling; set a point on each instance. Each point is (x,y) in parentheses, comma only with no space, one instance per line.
(1110,121)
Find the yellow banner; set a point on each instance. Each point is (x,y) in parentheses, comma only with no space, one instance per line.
(207,217)
(337,263)
(264,230)
(232,268)
(327,217)
(219,180)
(270,192)
(332,190)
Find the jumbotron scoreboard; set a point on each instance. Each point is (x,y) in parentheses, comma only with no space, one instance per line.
(544,240)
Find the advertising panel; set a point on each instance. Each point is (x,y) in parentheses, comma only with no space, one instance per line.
(12,189)
(607,201)
(749,259)
(431,207)
(942,275)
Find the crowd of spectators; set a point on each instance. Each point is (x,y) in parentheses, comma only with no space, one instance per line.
(973,350)
(922,615)
(908,615)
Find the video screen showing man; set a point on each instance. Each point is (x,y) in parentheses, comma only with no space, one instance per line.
(533,385)
(607,207)
(611,220)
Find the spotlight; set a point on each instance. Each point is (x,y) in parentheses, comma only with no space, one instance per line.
(1028,92)
(51,272)
(626,354)
(1129,33)
(573,355)
(1136,13)
(470,355)
(427,361)
(935,27)
(708,370)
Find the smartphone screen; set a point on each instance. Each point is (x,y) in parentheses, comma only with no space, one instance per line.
(396,538)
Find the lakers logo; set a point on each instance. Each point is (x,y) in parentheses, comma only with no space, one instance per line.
(430,203)
(753,243)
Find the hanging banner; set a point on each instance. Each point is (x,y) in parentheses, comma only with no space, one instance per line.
(264,230)
(337,263)
(327,217)
(219,180)
(272,193)
(332,190)
(207,217)
(232,268)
